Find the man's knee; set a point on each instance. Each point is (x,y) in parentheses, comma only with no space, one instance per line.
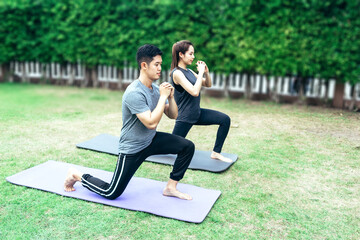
(115,195)
(189,145)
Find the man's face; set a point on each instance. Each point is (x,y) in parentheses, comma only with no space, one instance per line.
(153,70)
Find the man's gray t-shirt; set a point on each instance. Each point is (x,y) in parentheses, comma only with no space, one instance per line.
(134,135)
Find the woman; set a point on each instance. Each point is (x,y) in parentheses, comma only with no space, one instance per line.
(187,86)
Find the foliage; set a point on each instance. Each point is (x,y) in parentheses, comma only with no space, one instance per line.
(304,37)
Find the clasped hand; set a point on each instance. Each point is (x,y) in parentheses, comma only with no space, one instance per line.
(166,89)
(202,67)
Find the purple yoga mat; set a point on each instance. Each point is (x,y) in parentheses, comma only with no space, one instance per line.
(141,194)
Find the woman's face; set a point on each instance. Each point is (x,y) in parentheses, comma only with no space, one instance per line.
(189,56)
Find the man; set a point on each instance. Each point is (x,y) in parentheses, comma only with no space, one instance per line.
(143,105)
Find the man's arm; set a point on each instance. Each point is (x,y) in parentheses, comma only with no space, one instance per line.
(171,109)
(152,119)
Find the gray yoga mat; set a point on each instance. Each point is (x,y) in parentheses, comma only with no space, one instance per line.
(107,143)
(141,194)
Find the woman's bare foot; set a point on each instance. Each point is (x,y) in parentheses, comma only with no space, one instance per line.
(72,177)
(220,157)
(171,191)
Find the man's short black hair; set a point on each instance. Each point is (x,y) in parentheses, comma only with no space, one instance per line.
(146,53)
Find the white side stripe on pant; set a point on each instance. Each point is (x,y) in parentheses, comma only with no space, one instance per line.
(93,187)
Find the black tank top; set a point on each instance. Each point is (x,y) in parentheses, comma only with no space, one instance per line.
(188,105)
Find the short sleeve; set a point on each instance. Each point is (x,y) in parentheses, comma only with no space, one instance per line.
(136,102)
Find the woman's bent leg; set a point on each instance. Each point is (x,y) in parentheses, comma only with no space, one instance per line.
(181,129)
(211,117)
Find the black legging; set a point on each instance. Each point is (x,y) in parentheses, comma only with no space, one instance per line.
(207,117)
(127,164)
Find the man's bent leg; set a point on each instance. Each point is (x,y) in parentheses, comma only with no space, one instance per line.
(165,143)
(183,159)
(125,169)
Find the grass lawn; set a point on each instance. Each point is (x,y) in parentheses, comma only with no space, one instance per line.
(298,175)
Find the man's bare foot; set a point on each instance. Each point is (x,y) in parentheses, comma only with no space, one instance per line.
(220,157)
(175,193)
(72,177)
(171,191)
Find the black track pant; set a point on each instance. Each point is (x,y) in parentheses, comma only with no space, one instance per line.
(127,164)
(207,117)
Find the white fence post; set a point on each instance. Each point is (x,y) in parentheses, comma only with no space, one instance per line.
(316,87)
(129,74)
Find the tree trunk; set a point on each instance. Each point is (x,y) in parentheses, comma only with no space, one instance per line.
(87,76)
(275,94)
(71,75)
(301,98)
(320,85)
(326,97)
(9,72)
(248,92)
(23,72)
(94,77)
(50,74)
(226,88)
(119,76)
(61,73)
(268,90)
(6,74)
(351,106)
(338,101)
(42,73)
(260,83)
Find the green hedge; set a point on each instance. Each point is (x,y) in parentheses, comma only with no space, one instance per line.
(278,37)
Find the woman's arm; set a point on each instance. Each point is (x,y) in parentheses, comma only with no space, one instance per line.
(194,90)
(207,82)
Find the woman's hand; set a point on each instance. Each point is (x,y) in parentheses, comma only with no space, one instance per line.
(206,68)
(201,67)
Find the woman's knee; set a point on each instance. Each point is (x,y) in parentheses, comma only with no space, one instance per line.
(181,129)
(226,120)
